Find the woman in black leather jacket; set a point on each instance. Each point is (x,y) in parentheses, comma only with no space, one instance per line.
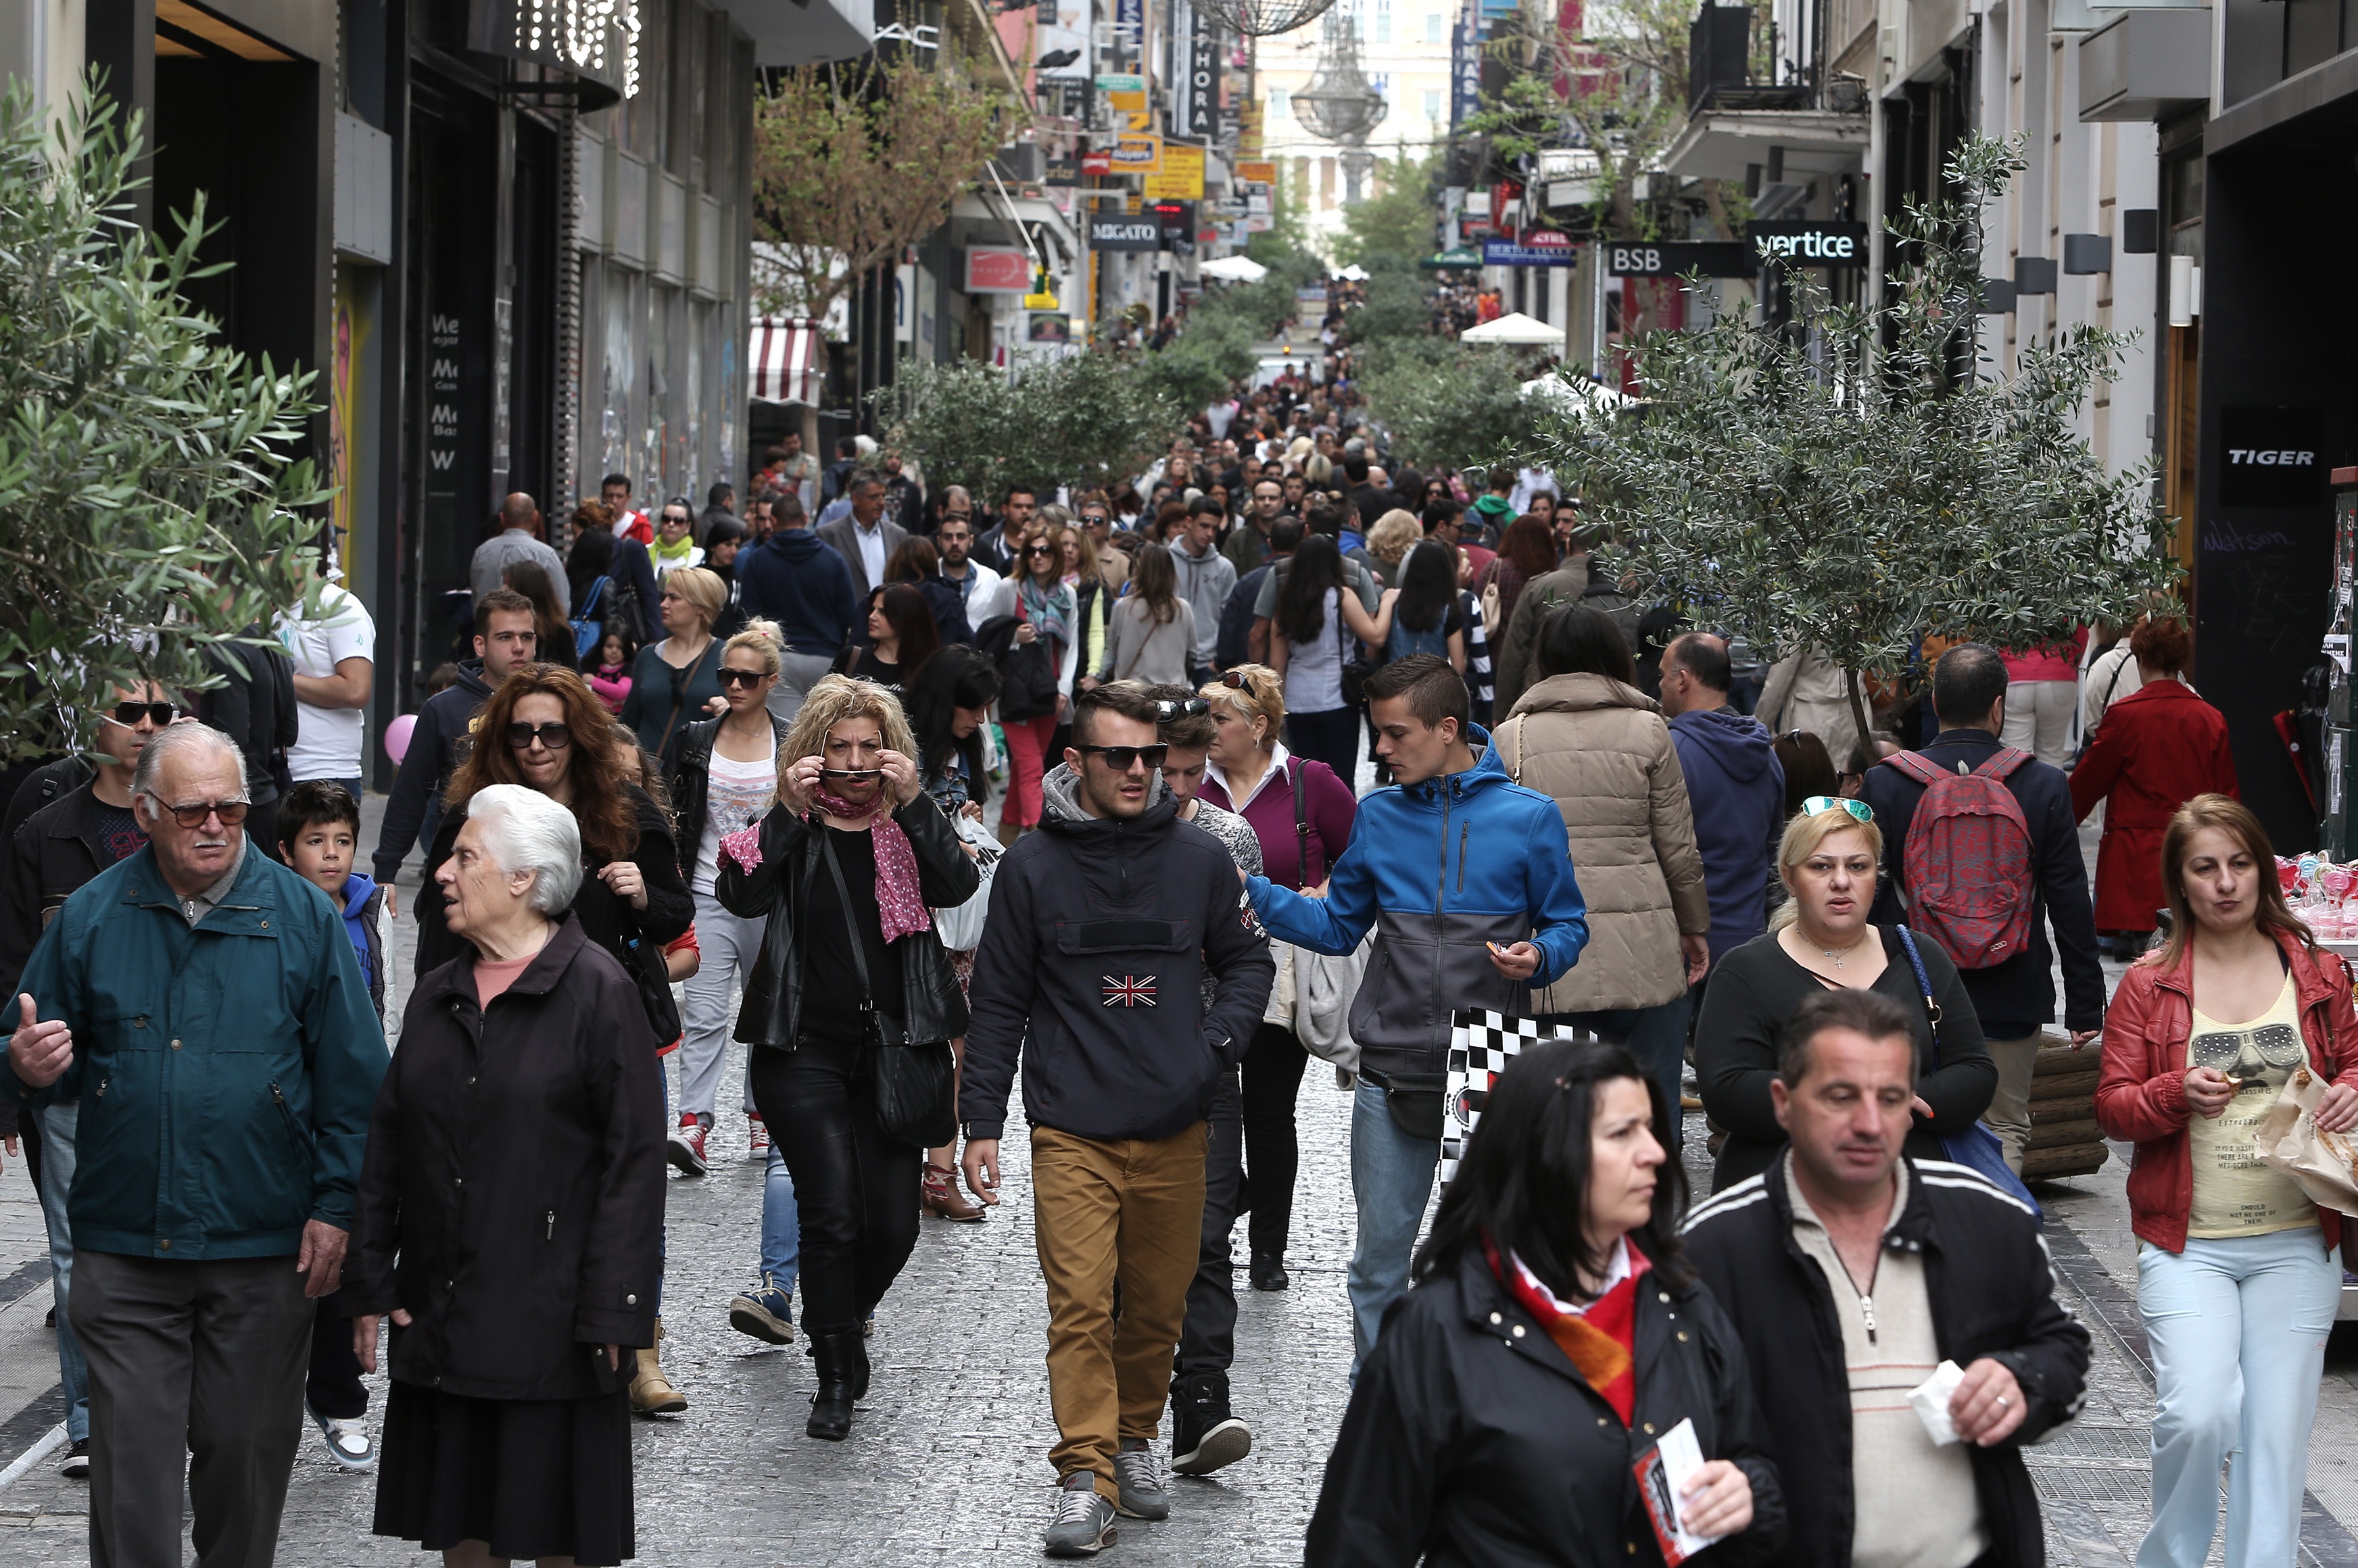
(846,869)
(1555,1335)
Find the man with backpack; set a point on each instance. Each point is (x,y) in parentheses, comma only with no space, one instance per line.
(1981,855)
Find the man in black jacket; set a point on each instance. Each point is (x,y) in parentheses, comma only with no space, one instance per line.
(1101,926)
(1856,1275)
(2015,999)
(505,640)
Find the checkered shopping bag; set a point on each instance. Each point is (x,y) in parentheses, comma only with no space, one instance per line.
(1481,1043)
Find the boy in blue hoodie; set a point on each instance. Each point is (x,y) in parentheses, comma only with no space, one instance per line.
(319,837)
(1466,878)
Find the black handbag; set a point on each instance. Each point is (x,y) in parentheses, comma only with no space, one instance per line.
(1413,1098)
(915,1084)
(1027,677)
(645,962)
(1356,669)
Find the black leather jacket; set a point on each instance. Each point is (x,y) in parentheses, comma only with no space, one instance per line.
(691,786)
(932,1007)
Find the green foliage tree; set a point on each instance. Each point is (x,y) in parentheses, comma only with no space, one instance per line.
(150,511)
(1397,226)
(1858,478)
(1454,404)
(1086,419)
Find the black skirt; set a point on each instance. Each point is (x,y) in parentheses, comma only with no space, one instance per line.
(532,1478)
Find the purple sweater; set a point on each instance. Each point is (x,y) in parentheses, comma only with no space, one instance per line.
(1327,802)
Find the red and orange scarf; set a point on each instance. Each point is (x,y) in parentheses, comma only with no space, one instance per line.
(1601,1341)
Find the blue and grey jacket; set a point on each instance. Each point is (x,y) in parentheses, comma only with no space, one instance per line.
(1438,869)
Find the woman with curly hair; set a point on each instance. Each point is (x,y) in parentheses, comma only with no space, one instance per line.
(546,729)
(846,869)
(1388,542)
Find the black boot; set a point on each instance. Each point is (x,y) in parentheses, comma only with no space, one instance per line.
(832,1355)
(1204,1435)
(856,1362)
(1268,1271)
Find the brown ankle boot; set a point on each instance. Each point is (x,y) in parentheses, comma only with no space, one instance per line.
(942,1199)
(651,1391)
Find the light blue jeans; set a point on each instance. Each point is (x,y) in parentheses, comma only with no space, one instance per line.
(781,1233)
(728,945)
(2238,1330)
(1391,1178)
(57,1180)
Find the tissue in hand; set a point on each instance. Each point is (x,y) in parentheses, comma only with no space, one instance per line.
(1931,1400)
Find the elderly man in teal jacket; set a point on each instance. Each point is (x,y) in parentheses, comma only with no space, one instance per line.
(205,1004)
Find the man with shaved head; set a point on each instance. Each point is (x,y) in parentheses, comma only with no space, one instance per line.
(1734,782)
(518,538)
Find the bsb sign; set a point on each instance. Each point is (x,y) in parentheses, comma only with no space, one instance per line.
(1811,241)
(1676,258)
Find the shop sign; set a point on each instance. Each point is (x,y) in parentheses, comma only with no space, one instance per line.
(991,270)
(1125,234)
(2271,457)
(1676,258)
(1812,243)
(1048,327)
(1066,170)
(1097,161)
(1138,153)
(1256,173)
(1121,84)
(1536,248)
(1180,178)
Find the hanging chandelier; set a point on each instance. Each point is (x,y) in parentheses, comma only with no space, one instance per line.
(1263,18)
(1339,104)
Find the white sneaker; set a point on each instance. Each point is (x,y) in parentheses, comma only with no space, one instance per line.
(349,1442)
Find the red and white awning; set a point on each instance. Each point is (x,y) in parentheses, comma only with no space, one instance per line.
(787,358)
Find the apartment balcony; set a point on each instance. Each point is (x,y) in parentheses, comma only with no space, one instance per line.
(1763,97)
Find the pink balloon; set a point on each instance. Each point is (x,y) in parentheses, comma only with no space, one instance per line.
(397,737)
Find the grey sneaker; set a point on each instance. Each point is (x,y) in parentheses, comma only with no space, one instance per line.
(1140,1480)
(1083,1523)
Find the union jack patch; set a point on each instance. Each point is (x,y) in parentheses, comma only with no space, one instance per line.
(1129,991)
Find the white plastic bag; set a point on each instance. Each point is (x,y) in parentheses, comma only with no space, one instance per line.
(960,926)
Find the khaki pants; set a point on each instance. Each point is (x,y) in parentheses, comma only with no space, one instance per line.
(2009,1108)
(1131,1211)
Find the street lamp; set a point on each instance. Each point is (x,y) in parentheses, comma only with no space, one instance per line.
(1338,105)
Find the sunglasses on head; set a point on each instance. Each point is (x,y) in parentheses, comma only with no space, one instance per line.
(741,677)
(231,812)
(554,737)
(1120,759)
(130,713)
(1166,709)
(1819,805)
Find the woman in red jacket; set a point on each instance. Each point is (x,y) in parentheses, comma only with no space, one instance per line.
(2238,1272)
(2160,747)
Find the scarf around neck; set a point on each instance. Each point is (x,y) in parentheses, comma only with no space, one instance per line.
(1051,614)
(900,906)
(673,554)
(1600,1340)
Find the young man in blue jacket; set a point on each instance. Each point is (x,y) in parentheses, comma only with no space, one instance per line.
(1465,877)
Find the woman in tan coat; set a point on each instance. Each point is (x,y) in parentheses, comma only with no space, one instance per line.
(1589,739)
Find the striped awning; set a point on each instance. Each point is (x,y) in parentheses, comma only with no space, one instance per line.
(787,360)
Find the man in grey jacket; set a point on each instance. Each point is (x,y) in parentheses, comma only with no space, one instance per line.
(1206,576)
(867,538)
(518,540)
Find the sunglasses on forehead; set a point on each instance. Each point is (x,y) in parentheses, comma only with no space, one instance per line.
(1819,805)
(1166,710)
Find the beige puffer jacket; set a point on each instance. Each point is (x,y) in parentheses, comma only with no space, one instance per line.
(1602,752)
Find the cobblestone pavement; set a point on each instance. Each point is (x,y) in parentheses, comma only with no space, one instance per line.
(947,1458)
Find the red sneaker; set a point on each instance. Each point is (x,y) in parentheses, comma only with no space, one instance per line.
(686,1148)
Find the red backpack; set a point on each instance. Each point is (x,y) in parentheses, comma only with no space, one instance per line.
(1967,863)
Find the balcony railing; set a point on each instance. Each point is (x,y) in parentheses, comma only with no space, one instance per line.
(1789,70)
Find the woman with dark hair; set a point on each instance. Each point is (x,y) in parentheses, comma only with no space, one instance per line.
(2238,1271)
(1318,614)
(1557,1240)
(1808,772)
(2160,747)
(1426,618)
(555,633)
(590,560)
(900,638)
(1151,633)
(1585,736)
(544,729)
(845,870)
(918,564)
(1526,550)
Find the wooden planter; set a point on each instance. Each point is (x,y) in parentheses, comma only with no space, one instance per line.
(2064,1140)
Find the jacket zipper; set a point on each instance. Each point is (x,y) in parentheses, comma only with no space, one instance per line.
(1866,1313)
(552,1226)
(286,1111)
(1439,902)
(1463,829)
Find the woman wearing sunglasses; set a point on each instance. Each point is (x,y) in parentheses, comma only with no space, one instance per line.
(1045,613)
(546,729)
(1817,940)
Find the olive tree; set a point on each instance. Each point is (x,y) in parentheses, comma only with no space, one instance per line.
(1858,477)
(151,508)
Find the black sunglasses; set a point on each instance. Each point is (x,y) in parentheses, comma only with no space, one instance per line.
(1166,710)
(741,677)
(1121,759)
(231,812)
(1040,549)
(555,737)
(129,713)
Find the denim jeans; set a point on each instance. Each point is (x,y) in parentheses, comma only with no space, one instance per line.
(57,1180)
(729,946)
(2238,1329)
(1391,1179)
(1657,1037)
(781,1239)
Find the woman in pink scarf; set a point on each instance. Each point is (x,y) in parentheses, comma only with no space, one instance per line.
(845,869)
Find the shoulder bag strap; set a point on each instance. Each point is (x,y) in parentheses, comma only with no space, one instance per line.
(1515,768)
(843,896)
(682,678)
(1301,830)
(1923,983)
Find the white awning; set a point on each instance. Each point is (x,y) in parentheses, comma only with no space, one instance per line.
(787,360)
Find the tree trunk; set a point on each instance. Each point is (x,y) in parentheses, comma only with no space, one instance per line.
(1857,716)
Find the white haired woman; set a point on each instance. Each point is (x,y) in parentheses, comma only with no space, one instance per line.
(844,868)
(511,1205)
